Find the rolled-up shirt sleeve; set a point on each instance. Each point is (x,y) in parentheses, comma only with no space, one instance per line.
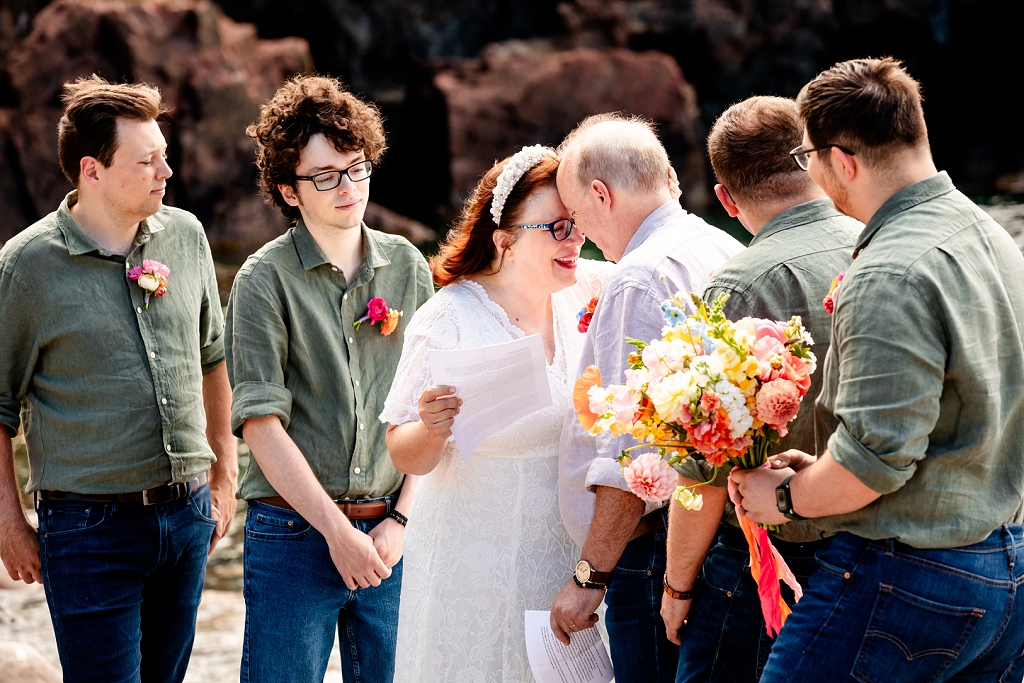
(211,319)
(257,354)
(635,313)
(891,351)
(18,348)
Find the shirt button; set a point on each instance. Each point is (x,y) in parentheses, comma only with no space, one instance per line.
(168,448)
(362,426)
(334,268)
(357,383)
(351,340)
(139,309)
(357,470)
(344,297)
(164,401)
(152,354)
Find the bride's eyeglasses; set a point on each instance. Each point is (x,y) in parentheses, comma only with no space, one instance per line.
(560,229)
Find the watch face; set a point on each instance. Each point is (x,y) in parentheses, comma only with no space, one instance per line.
(781,499)
(583,571)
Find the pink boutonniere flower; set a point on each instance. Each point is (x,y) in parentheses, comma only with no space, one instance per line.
(377,311)
(829,302)
(584,316)
(152,277)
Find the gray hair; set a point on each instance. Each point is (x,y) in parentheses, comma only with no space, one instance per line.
(621,151)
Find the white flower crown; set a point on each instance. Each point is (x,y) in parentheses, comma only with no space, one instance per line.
(521,162)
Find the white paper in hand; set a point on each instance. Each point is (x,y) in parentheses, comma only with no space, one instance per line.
(585,660)
(498,385)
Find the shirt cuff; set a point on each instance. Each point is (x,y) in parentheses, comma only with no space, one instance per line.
(250,400)
(10,415)
(872,471)
(605,472)
(212,355)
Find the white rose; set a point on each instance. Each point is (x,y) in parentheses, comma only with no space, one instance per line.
(149,282)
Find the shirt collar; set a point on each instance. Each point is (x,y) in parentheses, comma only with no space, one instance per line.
(79,243)
(311,255)
(795,216)
(659,217)
(907,198)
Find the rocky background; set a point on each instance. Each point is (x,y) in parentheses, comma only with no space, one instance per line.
(465,82)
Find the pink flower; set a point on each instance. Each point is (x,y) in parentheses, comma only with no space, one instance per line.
(796,370)
(152,277)
(376,310)
(650,477)
(778,403)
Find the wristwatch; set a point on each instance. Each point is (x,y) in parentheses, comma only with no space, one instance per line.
(586,576)
(784,500)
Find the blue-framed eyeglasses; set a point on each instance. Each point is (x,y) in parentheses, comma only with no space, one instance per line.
(560,229)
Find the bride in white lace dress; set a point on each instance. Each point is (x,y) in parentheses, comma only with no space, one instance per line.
(485,540)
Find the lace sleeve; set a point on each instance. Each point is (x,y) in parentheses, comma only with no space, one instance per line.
(434,326)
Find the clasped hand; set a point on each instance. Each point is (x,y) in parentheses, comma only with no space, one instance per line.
(753,491)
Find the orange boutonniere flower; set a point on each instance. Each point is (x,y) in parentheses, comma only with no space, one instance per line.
(377,311)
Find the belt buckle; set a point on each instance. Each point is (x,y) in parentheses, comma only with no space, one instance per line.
(145,498)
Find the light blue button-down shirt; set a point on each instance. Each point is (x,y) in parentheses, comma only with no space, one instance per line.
(686,250)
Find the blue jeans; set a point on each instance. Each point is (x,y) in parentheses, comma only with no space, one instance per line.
(123,582)
(640,651)
(295,598)
(725,639)
(883,611)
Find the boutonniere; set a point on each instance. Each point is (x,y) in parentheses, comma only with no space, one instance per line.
(377,311)
(584,316)
(829,302)
(152,277)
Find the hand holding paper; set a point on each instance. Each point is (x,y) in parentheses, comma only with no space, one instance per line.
(585,660)
(498,385)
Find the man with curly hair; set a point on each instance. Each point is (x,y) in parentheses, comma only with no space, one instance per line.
(310,368)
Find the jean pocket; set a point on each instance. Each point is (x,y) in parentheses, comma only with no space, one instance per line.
(276,525)
(723,568)
(909,638)
(64,520)
(202,505)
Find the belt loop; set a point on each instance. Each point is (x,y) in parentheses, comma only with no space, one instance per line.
(890,546)
(35,501)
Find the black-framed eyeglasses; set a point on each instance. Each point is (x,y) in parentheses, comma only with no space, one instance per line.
(802,156)
(559,229)
(328,180)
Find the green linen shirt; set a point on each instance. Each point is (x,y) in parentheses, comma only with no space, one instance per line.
(110,392)
(924,382)
(787,270)
(294,353)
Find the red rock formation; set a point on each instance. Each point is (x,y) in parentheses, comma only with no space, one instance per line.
(515,97)
(213,74)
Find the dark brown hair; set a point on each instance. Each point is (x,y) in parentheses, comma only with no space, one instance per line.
(92,107)
(749,147)
(302,107)
(469,246)
(870,106)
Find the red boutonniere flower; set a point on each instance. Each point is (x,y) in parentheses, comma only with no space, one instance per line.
(829,302)
(584,316)
(152,277)
(377,311)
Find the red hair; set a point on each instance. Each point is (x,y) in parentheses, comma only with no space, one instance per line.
(469,246)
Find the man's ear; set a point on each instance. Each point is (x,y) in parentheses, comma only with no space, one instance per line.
(88,170)
(288,194)
(846,164)
(602,195)
(726,200)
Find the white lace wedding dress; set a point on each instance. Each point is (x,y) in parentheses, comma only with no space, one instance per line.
(485,540)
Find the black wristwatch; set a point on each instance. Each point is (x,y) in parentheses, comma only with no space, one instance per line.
(784,500)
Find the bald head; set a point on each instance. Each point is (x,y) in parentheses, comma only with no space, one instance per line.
(623,152)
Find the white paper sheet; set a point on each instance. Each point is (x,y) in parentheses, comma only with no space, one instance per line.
(498,385)
(585,660)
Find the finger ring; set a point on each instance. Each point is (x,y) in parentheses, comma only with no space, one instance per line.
(572,624)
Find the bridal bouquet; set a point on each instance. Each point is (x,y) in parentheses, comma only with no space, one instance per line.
(711,389)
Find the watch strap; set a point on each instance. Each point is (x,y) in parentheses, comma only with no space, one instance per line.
(590,584)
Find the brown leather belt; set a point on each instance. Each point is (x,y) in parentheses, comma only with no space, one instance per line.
(154,496)
(370,510)
(649,524)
